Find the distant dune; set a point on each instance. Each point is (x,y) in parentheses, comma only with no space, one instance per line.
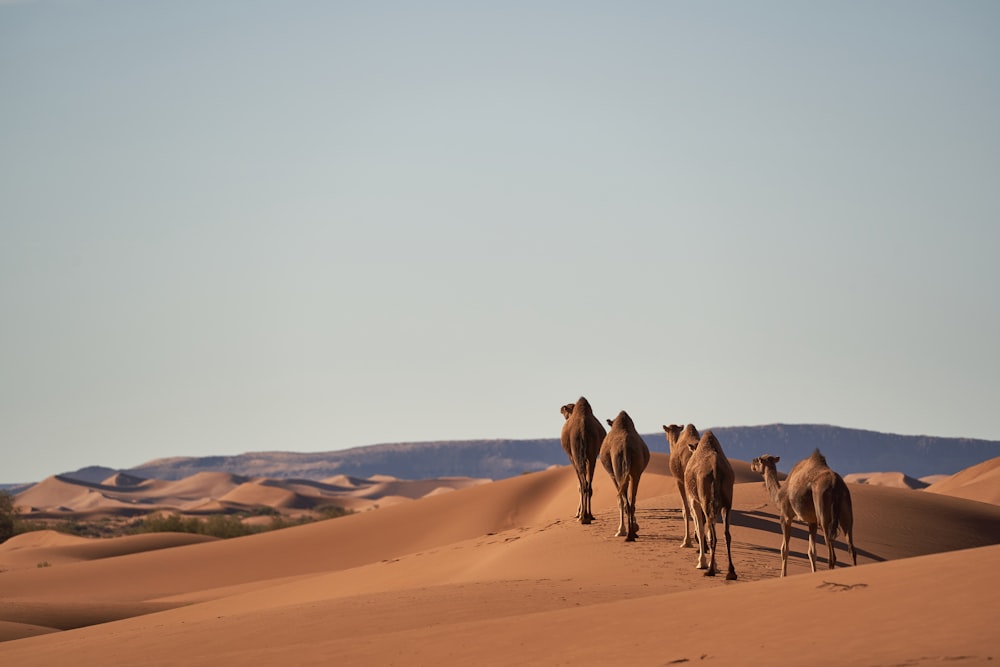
(124,495)
(500,573)
(894,479)
(980,482)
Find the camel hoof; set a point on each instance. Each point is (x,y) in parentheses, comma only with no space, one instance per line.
(630,538)
(710,573)
(585,520)
(731,576)
(686,545)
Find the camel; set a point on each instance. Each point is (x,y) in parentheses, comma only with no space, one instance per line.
(815,495)
(625,456)
(709,480)
(582,435)
(679,438)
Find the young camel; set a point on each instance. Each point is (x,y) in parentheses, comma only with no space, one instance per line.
(680,438)
(815,495)
(582,434)
(625,456)
(709,479)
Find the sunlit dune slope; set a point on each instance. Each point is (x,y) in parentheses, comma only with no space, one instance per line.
(980,482)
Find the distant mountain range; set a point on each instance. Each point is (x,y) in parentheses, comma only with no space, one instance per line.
(847,450)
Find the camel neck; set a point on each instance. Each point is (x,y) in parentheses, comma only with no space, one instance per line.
(771,483)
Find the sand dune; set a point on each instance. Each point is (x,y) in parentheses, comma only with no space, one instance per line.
(495,574)
(980,482)
(896,480)
(208,492)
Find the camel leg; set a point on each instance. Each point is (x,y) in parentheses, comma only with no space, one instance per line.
(686,511)
(712,538)
(633,526)
(832,558)
(812,546)
(622,512)
(587,481)
(731,574)
(786,535)
(630,518)
(699,524)
(850,546)
(583,514)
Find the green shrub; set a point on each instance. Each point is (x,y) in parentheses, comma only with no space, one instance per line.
(8,514)
(167,523)
(333,511)
(226,526)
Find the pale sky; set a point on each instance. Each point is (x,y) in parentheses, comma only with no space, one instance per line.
(233,226)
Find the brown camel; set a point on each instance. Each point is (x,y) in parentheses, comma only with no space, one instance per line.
(709,479)
(582,435)
(625,456)
(815,495)
(679,438)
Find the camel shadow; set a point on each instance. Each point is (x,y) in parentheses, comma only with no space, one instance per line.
(770,522)
(650,521)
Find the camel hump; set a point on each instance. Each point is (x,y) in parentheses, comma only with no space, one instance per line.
(707,442)
(709,439)
(819,458)
(583,405)
(623,421)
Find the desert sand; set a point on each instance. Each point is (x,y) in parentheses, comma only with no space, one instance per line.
(500,573)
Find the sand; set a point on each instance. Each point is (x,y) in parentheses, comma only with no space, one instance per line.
(500,573)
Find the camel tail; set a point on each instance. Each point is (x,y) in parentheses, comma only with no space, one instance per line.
(828,511)
(623,485)
(712,498)
(622,471)
(579,449)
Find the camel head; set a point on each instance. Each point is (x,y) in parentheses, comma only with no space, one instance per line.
(566,410)
(672,431)
(762,463)
(677,433)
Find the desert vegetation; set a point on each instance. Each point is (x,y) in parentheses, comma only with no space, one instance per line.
(221,525)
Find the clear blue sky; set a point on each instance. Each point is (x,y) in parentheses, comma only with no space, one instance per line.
(239,226)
